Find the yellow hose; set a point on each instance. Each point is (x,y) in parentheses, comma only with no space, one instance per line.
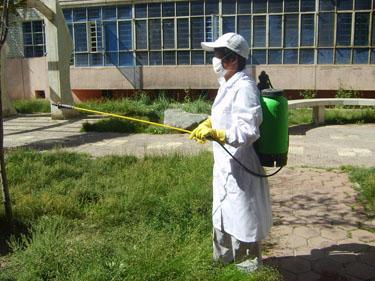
(59,105)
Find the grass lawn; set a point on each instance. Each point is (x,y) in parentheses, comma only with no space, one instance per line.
(365,177)
(113,218)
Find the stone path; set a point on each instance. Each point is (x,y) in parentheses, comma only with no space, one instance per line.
(326,146)
(316,234)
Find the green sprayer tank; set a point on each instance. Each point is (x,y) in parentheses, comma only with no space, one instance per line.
(272,146)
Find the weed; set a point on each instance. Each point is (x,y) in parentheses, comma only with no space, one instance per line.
(308,94)
(365,177)
(32,106)
(347,94)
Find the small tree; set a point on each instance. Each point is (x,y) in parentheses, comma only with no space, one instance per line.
(4,24)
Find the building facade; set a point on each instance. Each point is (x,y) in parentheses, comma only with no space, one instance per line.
(121,46)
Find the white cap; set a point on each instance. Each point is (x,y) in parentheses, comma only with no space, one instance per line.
(232,41)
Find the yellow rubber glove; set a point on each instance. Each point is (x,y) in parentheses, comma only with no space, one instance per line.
(218,135)
(204,126)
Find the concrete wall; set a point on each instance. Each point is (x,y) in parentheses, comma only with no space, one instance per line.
(26,76)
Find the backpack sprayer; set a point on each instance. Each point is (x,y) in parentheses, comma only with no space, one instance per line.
(271,147)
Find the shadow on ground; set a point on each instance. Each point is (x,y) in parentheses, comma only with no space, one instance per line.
(344,262)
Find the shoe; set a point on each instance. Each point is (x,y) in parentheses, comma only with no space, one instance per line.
(249,265)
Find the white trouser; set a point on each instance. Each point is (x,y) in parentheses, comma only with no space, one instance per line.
(228,249)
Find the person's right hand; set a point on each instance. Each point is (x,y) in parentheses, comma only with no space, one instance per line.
(201,130)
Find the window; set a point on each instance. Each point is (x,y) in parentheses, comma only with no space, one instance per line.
(244,27)
(212,7)
(124,12)
(259,6)
(141,11)
(154,10)
(344,5)
(80,37)
(183,57)
(361,29)
(168,10)
(259,57)
(259,36)
(197,8)
(275,6)
(326,5)
(154,28)
(291,5)
(274,57)
(125,35)
(344,29)
(212,28)
(244,7)
(326,24)
(363,4)
(182,8)
(197,32)
(183,33)
(275,25)
(141,34)
(306,56)
(325,56)
(307,5)
(171,32)
(307,30)
(95,37)
(168,34)
(169,58)
(290,56)
(228,7)
(360,56)
(291,31)
(229,24)
(197,57)
(343,56)
(33,39)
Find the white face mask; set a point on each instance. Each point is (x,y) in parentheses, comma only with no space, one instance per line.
(218,67)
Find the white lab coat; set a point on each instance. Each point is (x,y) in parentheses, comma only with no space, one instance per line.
(241,202)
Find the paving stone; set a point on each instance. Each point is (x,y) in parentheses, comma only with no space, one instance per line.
(281,230)
(306,232)
(342,257)
(363,235)
(367,258)
(320,242)
(295,265)
(352,245)
(327,265)
(308,276)
(288,276)
(334,234)
(361,270)
(309,254)
(296,241)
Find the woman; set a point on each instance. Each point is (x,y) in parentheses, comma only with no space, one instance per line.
(241,211)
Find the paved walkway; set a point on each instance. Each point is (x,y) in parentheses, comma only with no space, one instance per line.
(327,146)
(316,234)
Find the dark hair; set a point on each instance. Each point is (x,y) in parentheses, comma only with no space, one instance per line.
(229,54)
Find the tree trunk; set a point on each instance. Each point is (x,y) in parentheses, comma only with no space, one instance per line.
(4,180)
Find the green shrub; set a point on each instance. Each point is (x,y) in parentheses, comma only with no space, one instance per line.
(346,94)
(308,94)
(32,106)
